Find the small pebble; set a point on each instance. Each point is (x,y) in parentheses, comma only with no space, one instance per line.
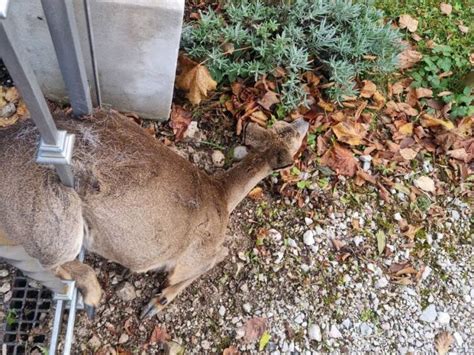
(429,314)
(308,237)
(218,158)
(314,332)
(334,332)
(443,318)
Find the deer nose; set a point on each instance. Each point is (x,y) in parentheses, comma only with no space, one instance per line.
(301,126)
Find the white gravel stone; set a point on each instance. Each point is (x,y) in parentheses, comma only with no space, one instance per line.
(382,282)
(205,344)
(347,323)
(247,307)
(123,338)
(397,216)
(292,243)
(443,318)
(365,329)
(429,314)
(308,221)
(314,332)
(334,332)
(308,237)
(455,215)
(318,230)
(222,311)
(126,292)
(299,318)
(3,273)
(459,339)
(218,158)
(240,152)
(5,287)
(274,234)
(304,267)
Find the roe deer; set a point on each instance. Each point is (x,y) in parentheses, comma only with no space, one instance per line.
(135,202)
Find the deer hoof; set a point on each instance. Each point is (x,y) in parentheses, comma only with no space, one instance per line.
(153,307)
(90,311)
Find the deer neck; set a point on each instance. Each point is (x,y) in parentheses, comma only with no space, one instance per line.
(239,181)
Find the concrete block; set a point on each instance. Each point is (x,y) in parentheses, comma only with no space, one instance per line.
(136,47)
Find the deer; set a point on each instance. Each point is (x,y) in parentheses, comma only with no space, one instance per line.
(135,202)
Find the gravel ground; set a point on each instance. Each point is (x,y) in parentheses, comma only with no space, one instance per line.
(310,277)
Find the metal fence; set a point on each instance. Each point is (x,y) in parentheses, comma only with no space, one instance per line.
(55,146)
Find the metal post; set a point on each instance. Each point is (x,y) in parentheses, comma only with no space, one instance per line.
(55,146)
(63,29)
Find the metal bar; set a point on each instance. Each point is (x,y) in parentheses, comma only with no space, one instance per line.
(58,317)
(90,34)
(63,29)
(25,80)
(3,8)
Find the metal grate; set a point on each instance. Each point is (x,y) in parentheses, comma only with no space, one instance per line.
(28,308)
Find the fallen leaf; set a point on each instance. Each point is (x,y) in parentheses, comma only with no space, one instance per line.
(341,160)
(443,342)
(180,120)
(463,29)
(368,89)
(411,231)
(464,128)
(408,58)
(350,132)
(430,121)
(268,100)
(381,241)
(379,99)
(256,193)
(459,154)
(408,153)
(406,129)
(259,117)
(159,335)
(5,122)
(445,8)
(338,244)
(422,92)
(408,22)
(366,177)
(326,106)
(254,329)
(425,183)
(231,350)
(264,341)
(407,109)
(12,94)
(195,79)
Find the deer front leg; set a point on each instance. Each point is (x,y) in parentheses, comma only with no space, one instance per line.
(180,278)
(86,282)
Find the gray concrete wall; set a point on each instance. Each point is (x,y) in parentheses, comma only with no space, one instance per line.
(136,44)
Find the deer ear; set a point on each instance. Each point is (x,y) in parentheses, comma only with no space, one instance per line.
(255,136)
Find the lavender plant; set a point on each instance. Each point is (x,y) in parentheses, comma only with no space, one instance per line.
(250,38)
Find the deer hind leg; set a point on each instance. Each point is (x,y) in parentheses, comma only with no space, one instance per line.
(180,278)
(86,282)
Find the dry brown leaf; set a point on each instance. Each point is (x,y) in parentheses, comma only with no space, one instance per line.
(464,128)
(408,153)
(446,9)
(443,342)
(22,110)
(254,328)
(180,120)
(341,160)
(459,154)
(195,79)
(408,22)
(406,129)
(338,244)
(368,89)
(12,94)
(8,121)
(256,193)
(411,231)
(326,106)
(350,132)
(422,92)
(408,58)
(268,100)
(425,183)
(430,121)
(379,99)
(366,177)
(259,117)
(407,109)
(463,29)
(159,335)
(231,350)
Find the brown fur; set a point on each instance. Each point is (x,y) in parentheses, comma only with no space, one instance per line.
(140,203)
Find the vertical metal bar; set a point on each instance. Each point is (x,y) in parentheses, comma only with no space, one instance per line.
(58,317)
(63,29)
(25,80)
(90,34)
(55,146)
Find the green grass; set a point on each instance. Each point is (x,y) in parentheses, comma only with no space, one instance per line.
(451,54)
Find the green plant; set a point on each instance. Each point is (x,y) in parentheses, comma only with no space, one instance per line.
(11,317)
(445,48)
(249,39)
